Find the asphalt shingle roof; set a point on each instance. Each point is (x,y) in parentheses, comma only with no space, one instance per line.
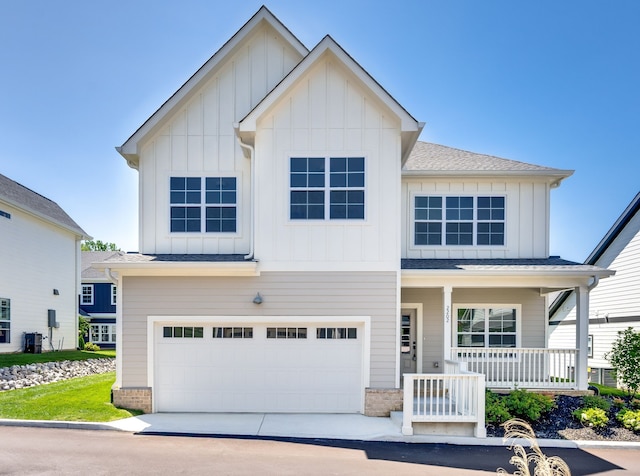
(22,197)
(89,257)
(544,264)
(166,258)
(429,157)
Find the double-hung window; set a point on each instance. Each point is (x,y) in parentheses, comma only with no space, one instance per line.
(459,220)
(487,326)
(5,321)
(208,204)
(87,295)
(327,188)
(114,294)
(102,333)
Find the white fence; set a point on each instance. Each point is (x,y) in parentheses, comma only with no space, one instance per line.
(444,398)
(520,367)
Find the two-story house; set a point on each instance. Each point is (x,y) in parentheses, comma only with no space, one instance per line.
(39,272)
(98,299)
(614,304)
(301,250)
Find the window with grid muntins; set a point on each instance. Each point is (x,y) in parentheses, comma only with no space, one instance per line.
(212,208)
(5,321)
(183,332)
(459,220)
(318,195)
(87,294)
(487,327)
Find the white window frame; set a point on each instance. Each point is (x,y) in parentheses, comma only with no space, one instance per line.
(486,307)
(111,333)
(89,295)
(203,205)
(5,318)
(114,295)
(327,188)
(443,221)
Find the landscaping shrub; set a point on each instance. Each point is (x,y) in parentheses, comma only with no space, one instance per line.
(593,401)
(528,406)
(496,412)
(592,417)
(625,360)
(630,419)
(91,347)
(618,402)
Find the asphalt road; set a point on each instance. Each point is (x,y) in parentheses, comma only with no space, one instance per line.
(43,451)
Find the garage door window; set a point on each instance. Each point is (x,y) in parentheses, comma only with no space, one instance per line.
(337,333)
(233,332)
(182,332)
(286,332)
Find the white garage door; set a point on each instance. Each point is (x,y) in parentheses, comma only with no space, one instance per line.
(258,368)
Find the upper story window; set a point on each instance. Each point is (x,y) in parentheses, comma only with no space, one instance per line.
(209,204)
(5,321)
(87,294)
(114,294)
(318,195)
(459,220)
(5,214)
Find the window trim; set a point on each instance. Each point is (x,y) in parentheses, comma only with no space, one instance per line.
(5,304)
(203,206)
(112,332)
(443,221)
(327,189)
(114,295)
(486,306)
(90,295)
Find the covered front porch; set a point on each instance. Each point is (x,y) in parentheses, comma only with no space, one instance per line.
(468,325)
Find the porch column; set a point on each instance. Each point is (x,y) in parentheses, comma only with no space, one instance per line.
(582,336)
(446,306)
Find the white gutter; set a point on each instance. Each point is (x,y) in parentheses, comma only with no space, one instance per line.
(110,276)
(252,153)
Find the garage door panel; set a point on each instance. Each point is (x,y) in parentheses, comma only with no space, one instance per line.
(257,374)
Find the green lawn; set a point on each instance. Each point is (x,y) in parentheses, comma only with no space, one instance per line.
(78,399)
(7,360)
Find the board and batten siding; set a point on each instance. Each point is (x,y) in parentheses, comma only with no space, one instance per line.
(526,224)
(38,257)
(615,297)
(328,114)
(199,140)
(284,294)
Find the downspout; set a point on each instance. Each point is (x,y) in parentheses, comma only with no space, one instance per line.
(253,196)
(110,276)
(596,280)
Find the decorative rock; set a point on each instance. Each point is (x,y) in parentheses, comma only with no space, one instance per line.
(22,376)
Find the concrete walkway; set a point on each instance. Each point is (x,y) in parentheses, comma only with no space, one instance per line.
(293,426)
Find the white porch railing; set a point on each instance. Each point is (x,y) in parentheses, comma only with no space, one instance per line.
(520,367)
(444,398)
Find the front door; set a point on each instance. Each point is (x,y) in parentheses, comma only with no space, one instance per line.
(408,350)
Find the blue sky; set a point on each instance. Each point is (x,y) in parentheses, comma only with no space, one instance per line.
(548,82)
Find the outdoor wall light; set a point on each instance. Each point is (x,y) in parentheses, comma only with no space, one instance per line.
(56,292)
(257,299)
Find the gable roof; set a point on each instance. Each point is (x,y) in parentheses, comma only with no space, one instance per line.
(610,236)
(436,159)
(410,127)
(89,257)
(129,150)
(21,197)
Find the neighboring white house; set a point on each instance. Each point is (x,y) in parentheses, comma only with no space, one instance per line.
(39,270)
(615,303)
(301,251)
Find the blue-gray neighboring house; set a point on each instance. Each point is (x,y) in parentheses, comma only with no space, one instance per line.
(98,300)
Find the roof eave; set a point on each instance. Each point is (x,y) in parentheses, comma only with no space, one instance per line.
(182,268)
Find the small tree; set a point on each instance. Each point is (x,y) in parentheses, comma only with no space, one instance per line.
(625,360)
(98,245)
(83,329)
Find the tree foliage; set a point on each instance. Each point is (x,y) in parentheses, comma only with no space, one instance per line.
(83,329)
(98,245)
(625,359)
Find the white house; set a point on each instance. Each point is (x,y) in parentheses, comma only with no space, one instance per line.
(615,303)
(301,251)
(39,272)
